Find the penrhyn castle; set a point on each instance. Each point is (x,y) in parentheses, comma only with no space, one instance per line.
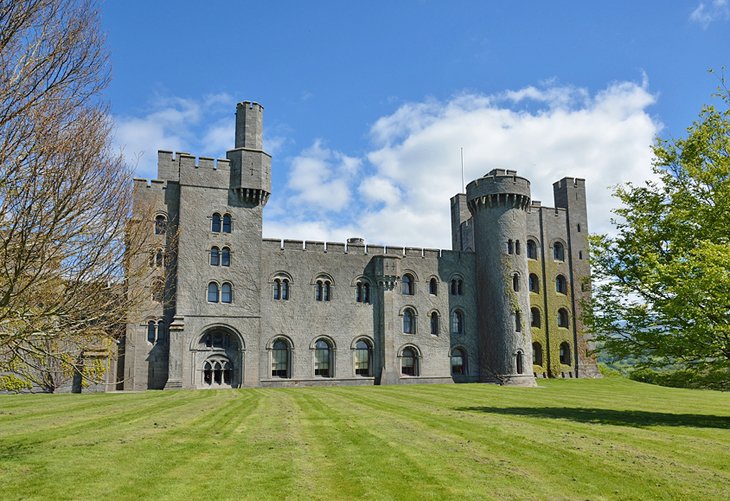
(225,308)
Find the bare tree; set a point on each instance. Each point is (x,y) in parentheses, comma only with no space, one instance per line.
(65,198)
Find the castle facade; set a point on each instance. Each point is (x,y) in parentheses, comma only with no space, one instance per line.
(225,308)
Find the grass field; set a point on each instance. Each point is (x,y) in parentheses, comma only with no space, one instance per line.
(568,439)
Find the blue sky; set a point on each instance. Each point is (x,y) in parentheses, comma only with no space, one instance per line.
(367,104)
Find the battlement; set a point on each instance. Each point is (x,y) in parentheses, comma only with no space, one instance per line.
(173,166)
(501,173)
(353,248)
(575,182)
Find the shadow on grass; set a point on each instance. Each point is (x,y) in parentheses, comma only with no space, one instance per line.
(609,416)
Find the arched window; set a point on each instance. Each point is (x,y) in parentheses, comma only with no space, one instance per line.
(214,256)
(227,372)
(225,256)
(409,321)
(531,249)
(458,362)
(226,223)
(519,362)
(534,283)
(435,323)
(208,373)
(457,287)
(409,362)
(510,247)
(322,290)
(535,320)
(518,248)
(216,340)
(433,287)
(518,322)
(322,358)
(563,317)
(558,251)
(281,289)
(363,358)
(363,292)
(159,258)
(151,332)
(160,225)
(280,359)
(516,282)
(212,292)
(457,322)
(536,353)
(161,331)
(226,293)
(215,223)
(407,285)
(561,284)
(565,353)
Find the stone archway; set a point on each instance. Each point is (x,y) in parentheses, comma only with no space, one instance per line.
(218,358)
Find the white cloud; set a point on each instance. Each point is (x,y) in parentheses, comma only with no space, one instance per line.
(545,133)
(201,126)
(707,12)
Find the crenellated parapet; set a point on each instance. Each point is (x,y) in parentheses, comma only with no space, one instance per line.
(498,188)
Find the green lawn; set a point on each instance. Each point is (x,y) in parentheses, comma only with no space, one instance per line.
(568,439)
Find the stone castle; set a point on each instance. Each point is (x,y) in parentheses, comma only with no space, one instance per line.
(225,308)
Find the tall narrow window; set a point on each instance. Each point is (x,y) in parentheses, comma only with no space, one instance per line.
(535,317)
(280,359)
(226,293)
(531,249)
(457,322)
(215,223)
(214,256)
(536,353)
(434,323)
(161,331)
(409,322)
(563,317)
(322,356)
(407,285)
(208,373)
(520,363)
(151,332)
(457,287)
(518,322)
(226,223)
(510,247)
(212,292)
(517,247)
(158,290)
(516,282)
(363,292)
(409,362)
(433,287)
(159,258)
(558,251)
(225,256)
(458,362)
(277,289)
(160,225)
(322,290)
(326,290)
(363,357)
(561,284)
(565,353)
(285,289)
(534,283)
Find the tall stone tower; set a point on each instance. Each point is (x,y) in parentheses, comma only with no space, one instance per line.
(250,166)
(498,203)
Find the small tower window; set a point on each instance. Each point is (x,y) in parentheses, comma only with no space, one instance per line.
(561,284)
(516,282)
(457,287)
(212,292)
(558,251)
(322,290)
(457,322)
(520,362)
(215,223)
(535,317)
(564,353)
(409,322)
(510,247)
(536,353)
(214,256)
(161,331)
(517,247)
(518,322)
(151,332)
(407,285)
(226,293)
(534,283)
(531,249)
(160,225)
(563,320)
(225,256)
(226,223)
(435,323)
(433,287)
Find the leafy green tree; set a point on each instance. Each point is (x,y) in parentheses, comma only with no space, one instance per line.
(662,283)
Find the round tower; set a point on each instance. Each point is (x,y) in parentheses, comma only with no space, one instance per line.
(498,203)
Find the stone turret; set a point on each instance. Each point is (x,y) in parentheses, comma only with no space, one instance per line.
(498,203)
(250,164)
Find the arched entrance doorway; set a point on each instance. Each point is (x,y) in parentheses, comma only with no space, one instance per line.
(218,359)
